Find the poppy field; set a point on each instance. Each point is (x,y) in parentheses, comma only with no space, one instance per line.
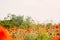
(18,28)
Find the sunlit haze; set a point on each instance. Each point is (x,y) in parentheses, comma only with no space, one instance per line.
(40,10)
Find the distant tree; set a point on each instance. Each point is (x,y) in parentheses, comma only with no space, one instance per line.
(12,20)
(17,21)
(48,25)
(27,23)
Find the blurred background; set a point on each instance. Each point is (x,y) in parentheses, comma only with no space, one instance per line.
(40,10)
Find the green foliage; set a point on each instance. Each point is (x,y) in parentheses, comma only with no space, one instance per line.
(27,23)
(11,21)
(48,25)
(17,21)
(31,36)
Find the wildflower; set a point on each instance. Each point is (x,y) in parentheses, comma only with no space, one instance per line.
(56,37)
(4,34)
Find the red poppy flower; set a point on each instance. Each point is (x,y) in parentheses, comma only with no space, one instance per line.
(57,38)
(57,26)
(4,34)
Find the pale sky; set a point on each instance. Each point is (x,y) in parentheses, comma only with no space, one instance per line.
(39,10)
